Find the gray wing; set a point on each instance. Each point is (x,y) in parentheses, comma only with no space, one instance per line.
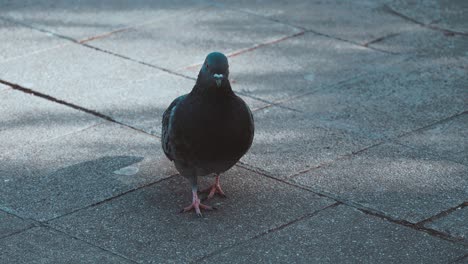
(166,127)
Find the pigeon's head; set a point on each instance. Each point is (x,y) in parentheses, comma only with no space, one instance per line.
(215,69)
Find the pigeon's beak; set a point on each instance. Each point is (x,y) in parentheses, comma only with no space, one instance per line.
(218,78)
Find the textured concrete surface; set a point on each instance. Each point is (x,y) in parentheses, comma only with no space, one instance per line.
(306,146)
(41,245)
(55,178)
(402,182)
(27,120)
(15,44)
(342,235)
(163,43)
(380,103)
(10,224)
(359,154)
(448,139)
(312,61)
(141,224)
(455,223)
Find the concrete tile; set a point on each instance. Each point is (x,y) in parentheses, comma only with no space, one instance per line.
(463,260)
(57,177)
(127,91)
(342,235)
(40,245)
(425,42)
(380,105)
(358,21)
(10,224)
(4,88)
(19,41)
(399,181)
(85,19)
(145,226)
(27,120)
(177,43)
(287,142)
(454,224)
(448,139)
(299,65)
(440,13)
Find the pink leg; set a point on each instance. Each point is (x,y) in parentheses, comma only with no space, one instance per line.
(213,189)
(196,205)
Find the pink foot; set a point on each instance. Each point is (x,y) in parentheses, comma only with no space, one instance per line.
(196,205)
(213,189)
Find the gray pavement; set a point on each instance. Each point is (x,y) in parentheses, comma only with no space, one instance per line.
(360,152)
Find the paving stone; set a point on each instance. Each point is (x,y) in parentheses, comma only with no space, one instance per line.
(463,260)
(57,177)
(85,19)
(342,235)
(358,21)
(144,225)
(401,182)
(455,223)
(10,224)
(39,245)
(3,88)
(425,42)
(300,65)
(19,41)
(380,105)
(26,119)
(127,91)
(204,30)
(287,142)
(440,13)
(448,139)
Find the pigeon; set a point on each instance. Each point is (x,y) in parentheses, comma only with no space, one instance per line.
(208,130)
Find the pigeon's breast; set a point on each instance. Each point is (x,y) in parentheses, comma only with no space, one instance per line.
(215,136)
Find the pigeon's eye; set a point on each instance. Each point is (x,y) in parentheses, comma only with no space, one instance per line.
(207,67)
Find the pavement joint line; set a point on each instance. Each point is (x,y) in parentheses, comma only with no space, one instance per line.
(430,231)
(447,32)
(271,42)
(249,49)
(88,243)
(111,198)
(74,106)
(255,14)
(442,214)
(104,35)
(84,44)
(266,174)
(430,125)
(428,151)
(306,30)
(380,39)
(264,233)
(19,231)
(365,209)
(339,158)
(235,53)
(382,215)
(352,42)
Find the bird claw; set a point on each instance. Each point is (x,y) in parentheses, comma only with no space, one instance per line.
(196,205)
(214,189)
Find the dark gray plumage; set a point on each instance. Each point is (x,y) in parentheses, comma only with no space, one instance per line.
(208,130)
